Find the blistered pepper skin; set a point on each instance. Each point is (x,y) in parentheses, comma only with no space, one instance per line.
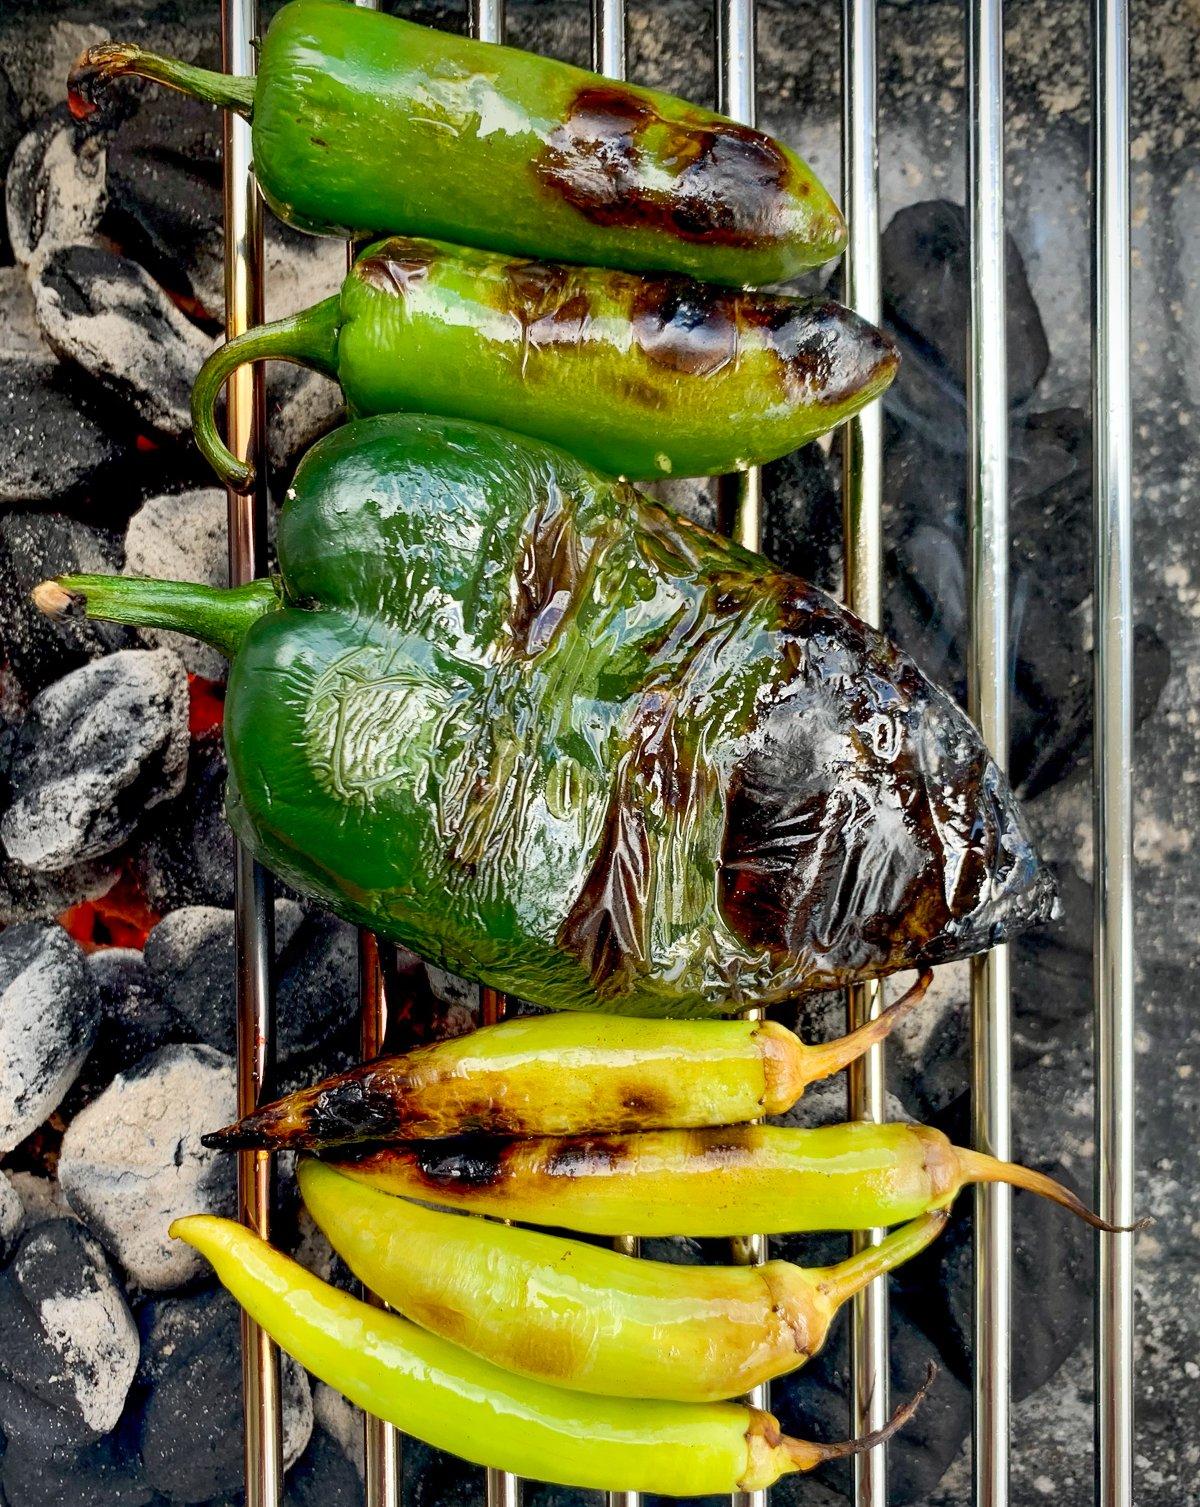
(586,1318)
(642,377)
(562,1075)
(364,123)
(772,1178)
(553,737)
(451,1399)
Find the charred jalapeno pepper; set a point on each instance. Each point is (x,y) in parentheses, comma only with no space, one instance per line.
(364,124)
(552,736)
(560,1075)
(640,376)
(454,1400)
(600,1322)
(773,1178)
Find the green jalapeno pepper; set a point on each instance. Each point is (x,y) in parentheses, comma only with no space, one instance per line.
(364,124)
(642,377)
(586,1318)
(452,1399)
(555,738)
(777,1179)
(560,1075)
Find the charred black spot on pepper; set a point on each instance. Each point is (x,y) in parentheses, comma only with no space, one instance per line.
(351,1109)
(461,1161)
(727,182)
(685,326)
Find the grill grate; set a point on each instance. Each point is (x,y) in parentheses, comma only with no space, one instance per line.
(1112,816)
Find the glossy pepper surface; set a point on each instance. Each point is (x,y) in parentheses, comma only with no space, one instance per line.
(587,1318)
(640,376)
(562,1074)
(773,1178)
(458,1402)
(364,123)
(553,737)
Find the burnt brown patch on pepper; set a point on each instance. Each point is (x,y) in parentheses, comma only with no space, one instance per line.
(547,572)
(729,185)
(826,353)
(584,1156)
(868,829)
(396,266)
(464,1163)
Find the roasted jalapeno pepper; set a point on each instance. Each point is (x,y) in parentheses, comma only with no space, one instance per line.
(560,1075)
(364,124)
(773,1178)
(452,1399)
(642,377)
(554,737)
(600,1322)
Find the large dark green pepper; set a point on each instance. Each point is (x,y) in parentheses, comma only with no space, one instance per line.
(551,736)
(641,376)
(364,123)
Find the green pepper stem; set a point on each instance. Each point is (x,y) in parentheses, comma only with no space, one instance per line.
(829,1057)
(842,1280)
(306,339)
(216,615)
(121,59)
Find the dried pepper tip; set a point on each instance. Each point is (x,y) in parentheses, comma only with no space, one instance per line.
(99,65)
(978,1167)
(822,1061)
(766,1444)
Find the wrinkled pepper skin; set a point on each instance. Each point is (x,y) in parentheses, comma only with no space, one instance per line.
(638,376)
(562,1075)
(365,124)
(772,1178)
(451,1399)
(553,737)
(586,1318)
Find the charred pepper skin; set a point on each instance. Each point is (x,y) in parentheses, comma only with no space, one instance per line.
(455,1401)
(365,124)
(602,1322)
(562,1075)
(675,377)
(857,1176)
(553,737)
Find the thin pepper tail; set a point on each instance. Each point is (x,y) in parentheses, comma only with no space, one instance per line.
(978,1167)
(805,1455)
(305,339)
(216,615)
(827,1058)
(842,1280)
(95,68)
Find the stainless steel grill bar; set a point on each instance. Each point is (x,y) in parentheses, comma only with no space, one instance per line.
(608,57)
(987,399)
(862,501)
(737,98)
(1112,448)
(253,916)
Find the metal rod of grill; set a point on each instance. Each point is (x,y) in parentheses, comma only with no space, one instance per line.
(741,495)
(862,504)
(987,401)
(1112,445)
(253,916)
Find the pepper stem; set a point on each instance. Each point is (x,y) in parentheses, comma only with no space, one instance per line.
(306,339)
(827,1058)
(216,615)
(805,1455)
(843,1280)
(978,1167)
(110,60)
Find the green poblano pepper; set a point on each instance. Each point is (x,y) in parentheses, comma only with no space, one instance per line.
(674,376)
(553,737)
(364,123)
